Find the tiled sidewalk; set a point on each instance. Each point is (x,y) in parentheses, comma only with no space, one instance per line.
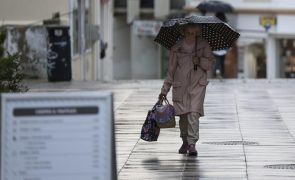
(248,131)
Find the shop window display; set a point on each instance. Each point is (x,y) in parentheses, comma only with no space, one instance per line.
(288,57)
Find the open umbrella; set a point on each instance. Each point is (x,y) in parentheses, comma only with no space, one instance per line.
(218,33)
(214,6)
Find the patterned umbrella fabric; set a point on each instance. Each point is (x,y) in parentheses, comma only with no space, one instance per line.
(219,34)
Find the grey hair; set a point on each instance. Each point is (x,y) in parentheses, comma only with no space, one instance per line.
(182,29)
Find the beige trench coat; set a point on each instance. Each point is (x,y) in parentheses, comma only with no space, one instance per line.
(189,85)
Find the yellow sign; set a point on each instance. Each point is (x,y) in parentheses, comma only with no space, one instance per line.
(268,20)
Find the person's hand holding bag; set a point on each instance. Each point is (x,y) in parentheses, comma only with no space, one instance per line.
(162,97)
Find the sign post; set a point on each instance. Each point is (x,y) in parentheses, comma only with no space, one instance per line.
(57,136)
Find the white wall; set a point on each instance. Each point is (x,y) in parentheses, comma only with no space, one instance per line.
(262,4)
(31,42)
(249,22)
(248,25)
(28,11)
(122,58)
(286,23)
(89,64)
(144,58)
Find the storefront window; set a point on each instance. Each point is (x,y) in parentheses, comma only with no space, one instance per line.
(260,61)
(120,3)
(288,57)
(146,3)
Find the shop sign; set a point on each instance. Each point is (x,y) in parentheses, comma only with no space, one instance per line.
(146,28)
(267,21)
(55,136)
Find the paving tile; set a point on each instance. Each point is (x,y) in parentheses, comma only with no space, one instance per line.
(249,126)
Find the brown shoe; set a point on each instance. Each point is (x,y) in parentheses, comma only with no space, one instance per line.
(184,148)
(192,150)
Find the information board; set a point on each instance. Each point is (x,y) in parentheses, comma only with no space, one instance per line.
(57,136)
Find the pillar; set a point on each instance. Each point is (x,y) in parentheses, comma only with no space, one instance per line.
(106,67)
(162,8)
(272,65)
(133,10)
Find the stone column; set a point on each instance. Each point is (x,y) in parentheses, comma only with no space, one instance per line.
(162,8)
(81,38)
(106,64)
(272,65)
(133,10)
(95,18)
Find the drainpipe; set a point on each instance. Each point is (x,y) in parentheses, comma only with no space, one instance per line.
(81,36)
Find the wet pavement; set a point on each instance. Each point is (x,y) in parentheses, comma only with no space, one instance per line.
(248,131)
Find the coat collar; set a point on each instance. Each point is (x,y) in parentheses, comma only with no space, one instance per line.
(201,43)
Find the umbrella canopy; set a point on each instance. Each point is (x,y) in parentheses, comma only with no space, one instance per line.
(215,6)
(219,34)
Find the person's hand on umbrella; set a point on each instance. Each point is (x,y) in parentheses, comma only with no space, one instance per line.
(162,97)
(196,60)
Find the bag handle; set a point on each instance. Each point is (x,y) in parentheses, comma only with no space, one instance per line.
(160,102)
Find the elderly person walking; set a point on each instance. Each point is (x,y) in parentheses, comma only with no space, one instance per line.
(189,61)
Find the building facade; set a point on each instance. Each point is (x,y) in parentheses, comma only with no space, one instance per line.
(98,31)
(136,23)
(266,48)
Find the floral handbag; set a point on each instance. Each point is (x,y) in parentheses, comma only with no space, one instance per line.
(165,114)
(150,131)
